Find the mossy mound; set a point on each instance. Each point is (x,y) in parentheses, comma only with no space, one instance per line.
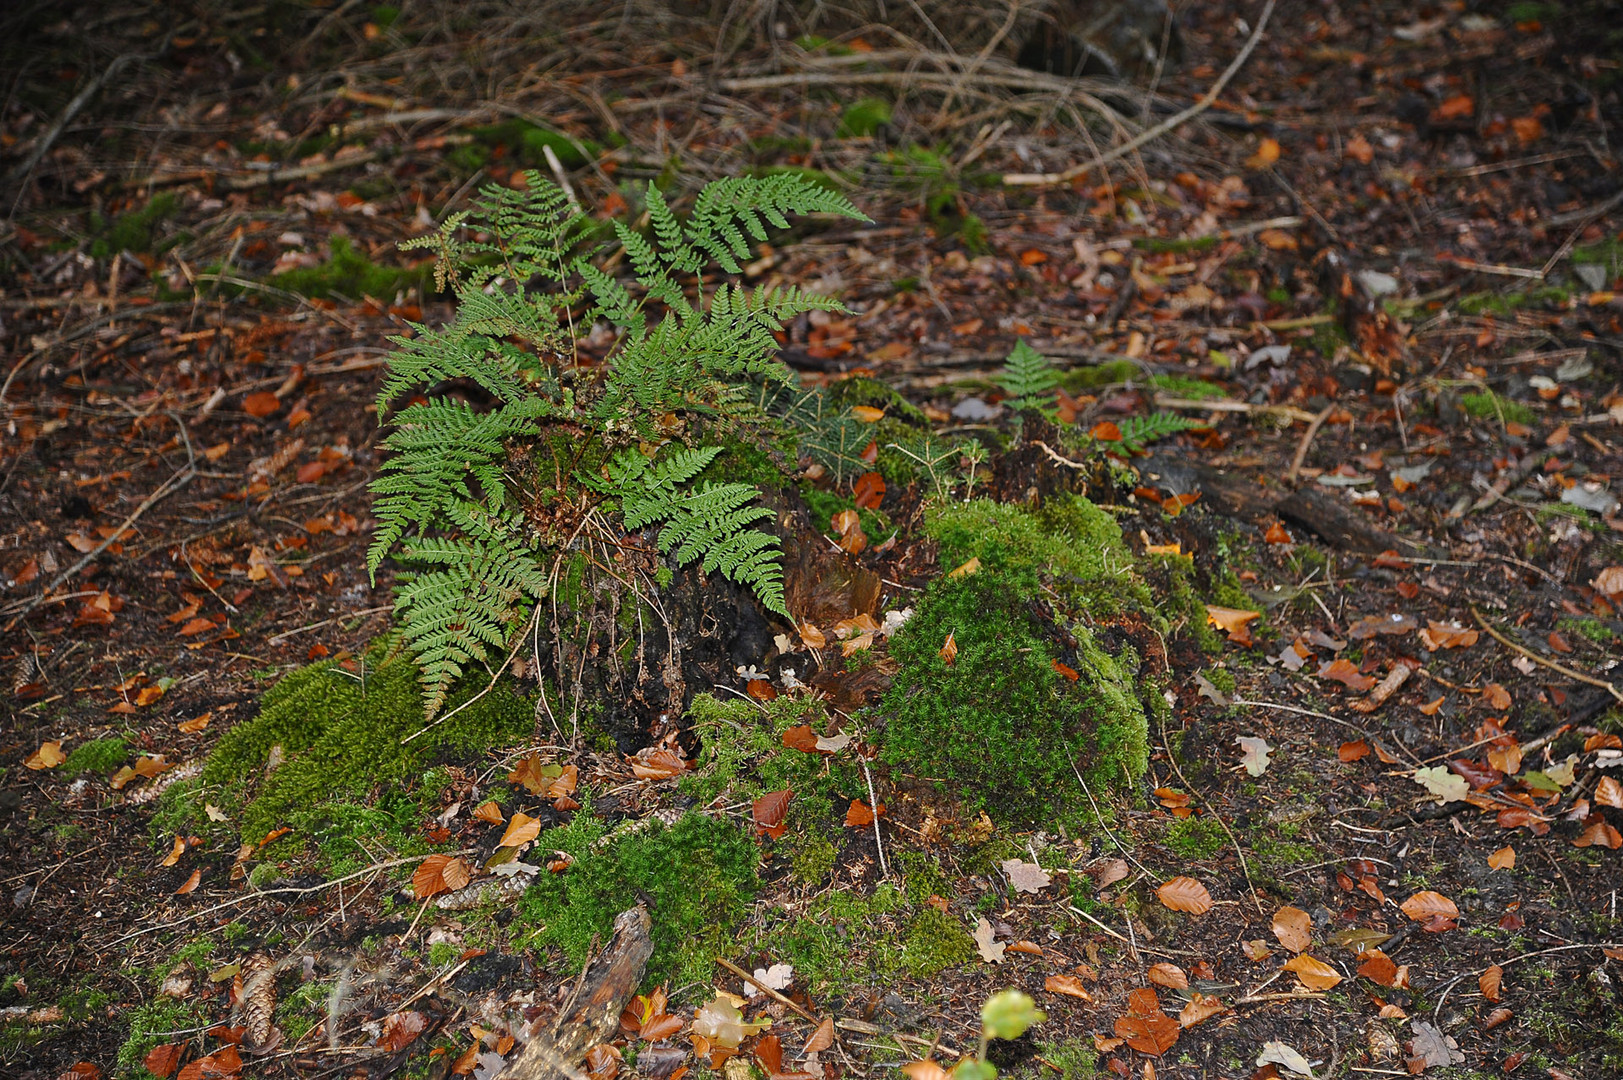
(1051,631)
(697,877)
(338,734)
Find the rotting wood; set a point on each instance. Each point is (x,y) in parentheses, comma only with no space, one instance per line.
(610,981)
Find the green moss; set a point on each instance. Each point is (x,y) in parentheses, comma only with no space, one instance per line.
(339,734)
(1074,1058)
(842,940)
(96,756)
(1593,629)
(862,118)
(1487,404)
(1157,245)
(860,390)
(1282,854)
(1181,386)
(1195,838)
(150,1025)
(136,231)
(699,875)
(527,142)
(935,941)
(1106,374)
(1502,304)
(1608,252)
(349,273)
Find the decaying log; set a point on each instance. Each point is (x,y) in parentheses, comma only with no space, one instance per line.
(593,1013)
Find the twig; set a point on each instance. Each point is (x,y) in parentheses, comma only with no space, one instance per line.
(1321,716)
(1290,412)
(1100,818)
(1238,850)
(1537,659)
(878,840)
(1200,106)
(1313,426)
(560,175)
(765,989)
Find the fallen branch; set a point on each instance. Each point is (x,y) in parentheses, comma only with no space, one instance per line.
(606,986)
(1537,659)
(1171,122)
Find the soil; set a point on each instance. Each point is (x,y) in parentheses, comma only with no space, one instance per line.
(1393,246)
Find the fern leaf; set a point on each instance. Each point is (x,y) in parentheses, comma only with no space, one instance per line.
(1028,378)
(1139,431)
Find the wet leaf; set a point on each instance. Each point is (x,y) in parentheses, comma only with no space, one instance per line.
(175,853)
(1267,153)
(1185,894)
(859,815)
(1315,974)
(400,1029)
(869,491)
(1294,928)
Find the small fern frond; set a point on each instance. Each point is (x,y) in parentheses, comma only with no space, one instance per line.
(1028,378)
(1139,431)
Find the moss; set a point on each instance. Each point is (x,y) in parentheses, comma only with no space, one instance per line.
(1487,404)
(1181,386)
(339,734)
(150,1025)
(935,941)
(349,273)
(1195,838)
(299,1011)
(96,756)
(1074,1059)
(876,526)
(136,231)
(860,390)
(1222,678)
(842,940)
(1593,629)
(1282,854)
(1608,252)
(698,876)
(862,118)
(1000,724)
(1106,374)
(741,753)
(1487,303)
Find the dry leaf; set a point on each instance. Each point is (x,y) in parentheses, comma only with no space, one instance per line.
(1185,894)
(949,650)
(1315,974)
(441,873)
(660,764)
(400,1030)
(722,1024)
(1599,834)
(1256,950)
(821,1039)
(261,404)
(48,756)
(991,952)
(768,812)
(1503,859)
(175,853)
(1609,793)
(1069,985)
(190,883)
(967,568)
(1378,967)
(1442,783)
(1490,982)
(1254,754)
(1350,752)
(1170,976)
(1026,877)
(1425,904)
(521,829)
(1294,928)
(1346,672)
(1153,1035)
(161,1061)
(1199,1007)
(489,812)
(1233,622)
(1267,153)
(924,1070)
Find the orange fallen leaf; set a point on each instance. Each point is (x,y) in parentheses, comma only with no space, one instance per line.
(869,491)
(1490,982)
(660,764)
(1315,974)
(859,814)
(1599,834)
(1425,904)
(195,724)
(1233,621)
(175,853)
(1199,1007)
(1346,672)
(1185,894)
(1277,534)
(1353,751)
(949,650)
(261,405)
(867,413)
(439,873)
(1170,976)
(190,883)
(1106,431)
(1267,153)
(1503,859)
(1378,968)
(197,626)
(162,1060)
(1069,985)
(521,829)
(1294,928)
(48,756)
(1609,793)
(148,694)
(489,812)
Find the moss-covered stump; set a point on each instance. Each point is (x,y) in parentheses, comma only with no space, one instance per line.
(1053,664)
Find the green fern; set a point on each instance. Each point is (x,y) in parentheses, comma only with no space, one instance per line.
(1139,431)
(1028,378)
(449,503)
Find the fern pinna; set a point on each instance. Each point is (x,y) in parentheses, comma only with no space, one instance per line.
(452,510)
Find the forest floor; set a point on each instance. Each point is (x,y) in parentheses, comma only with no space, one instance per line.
(1384,271)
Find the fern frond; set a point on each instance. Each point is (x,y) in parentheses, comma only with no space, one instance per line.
(1028,378)
(1139,431)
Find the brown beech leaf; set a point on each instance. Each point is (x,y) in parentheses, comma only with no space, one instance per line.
(1599,834)
(1256,950)
(521,829)
(1069,985)
(768,812)
(489,812)
(801,737)
(261,405)
(1170,976)
(1426,904)
(949,650)
(1609,793)
(869,491)
(924,1070)
(162,1060)
(401,1029)
(1199,1007)
(660,764)
(190,884)
(821,1039)
(1294,928)
(1185,894)
(1315,974)
(1152,1035)
(1234,622)
(1350,752)
(1346,672)
(859,815)
(48,756)
(1378,967)
(439,873)
(1490,982)
(1503,859)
